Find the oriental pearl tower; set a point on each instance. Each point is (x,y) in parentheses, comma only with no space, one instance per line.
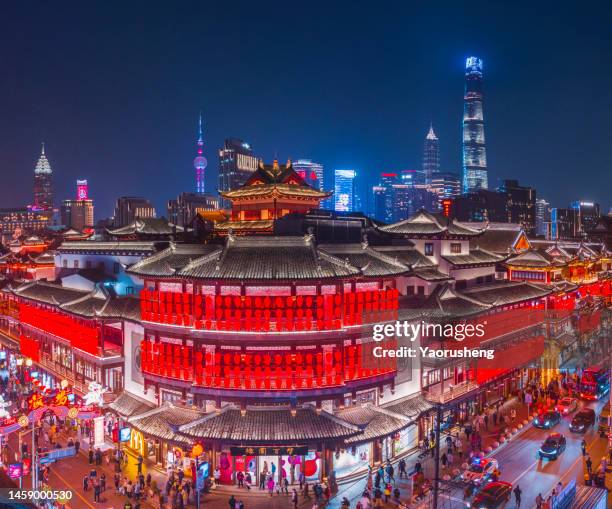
(200,162)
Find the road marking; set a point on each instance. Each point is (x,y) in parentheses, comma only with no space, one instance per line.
(78,494)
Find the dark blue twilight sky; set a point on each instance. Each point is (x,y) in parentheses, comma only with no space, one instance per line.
(114,89)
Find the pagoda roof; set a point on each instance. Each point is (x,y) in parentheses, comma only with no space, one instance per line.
(168,261)
(476,256)
(127,404)
(121,246)
(501,238)
(264,425)
(537,258)
(370,261)
(147,226)
(374,422)
(425,223)
(283,258)
(164,421)
(275,179)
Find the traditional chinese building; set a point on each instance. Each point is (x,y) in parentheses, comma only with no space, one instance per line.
(271,192)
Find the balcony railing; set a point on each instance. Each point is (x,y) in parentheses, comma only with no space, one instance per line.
(451,393)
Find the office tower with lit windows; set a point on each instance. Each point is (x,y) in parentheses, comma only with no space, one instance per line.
(344,190)
(542,216)
(43,183)
(310,171)
(128,208)
(446,186)
(520,204)
(588,215)
(200,162)
(474,175)
(79,214)
(431,156)
(236,164)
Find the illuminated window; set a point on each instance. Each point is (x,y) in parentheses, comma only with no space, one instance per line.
(455,247)
(429,249)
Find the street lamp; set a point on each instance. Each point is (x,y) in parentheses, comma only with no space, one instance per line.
(28,362)
(196,451)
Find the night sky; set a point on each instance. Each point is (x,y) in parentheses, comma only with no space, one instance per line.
(114,90)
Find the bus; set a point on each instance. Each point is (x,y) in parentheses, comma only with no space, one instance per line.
(594,383)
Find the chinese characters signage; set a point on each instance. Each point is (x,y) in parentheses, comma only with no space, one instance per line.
(301,450)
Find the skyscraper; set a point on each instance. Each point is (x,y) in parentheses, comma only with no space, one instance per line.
(542,216)
(79,213)
(474,153)
(520,204)
(43,185)
(128,208)
(446,186)
(344,190)
(431,156)
(236,164)
(310,171)
(200,163)
(588,215)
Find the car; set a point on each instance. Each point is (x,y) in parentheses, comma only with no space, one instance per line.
(554,445)
(492,496)
(480,470)
(547,419)
(567,406)
(582,420)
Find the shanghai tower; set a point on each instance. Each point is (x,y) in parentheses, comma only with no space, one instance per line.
(474,175)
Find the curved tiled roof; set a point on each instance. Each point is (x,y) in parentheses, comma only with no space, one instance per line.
(428,224)
(476,256)
(270,425)
(370,261)
(49,293)
(168,261)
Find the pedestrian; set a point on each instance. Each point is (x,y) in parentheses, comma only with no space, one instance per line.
(231,502)
(589,464)
(583,447)
(85,483)
(77,446)
(103,482)
(285,484)
(262,480)
(517,495)
(495,418)
(91,456)
(402,468)
(486,421)
(240,479)
(539,501)
(270,485)
(96,492)
(140,460)
(444,460)
(116,480)
(294,498)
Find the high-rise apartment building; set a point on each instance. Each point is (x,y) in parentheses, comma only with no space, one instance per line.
(564,224)
(431,156)
(236,164)
(43,183)
(474,175)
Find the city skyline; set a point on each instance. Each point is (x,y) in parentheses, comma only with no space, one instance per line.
(138,145)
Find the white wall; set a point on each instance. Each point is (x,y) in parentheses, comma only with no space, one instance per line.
(132,336)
